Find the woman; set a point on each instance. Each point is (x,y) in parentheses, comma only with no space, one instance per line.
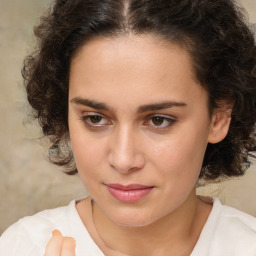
(143,99)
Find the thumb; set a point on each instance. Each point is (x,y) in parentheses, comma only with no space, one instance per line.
(54,245)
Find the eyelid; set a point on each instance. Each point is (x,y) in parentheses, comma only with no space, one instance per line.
(86,115)
(161,115)
(167,118)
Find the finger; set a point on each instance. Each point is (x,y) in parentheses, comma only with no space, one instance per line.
(68,247)
(53,247)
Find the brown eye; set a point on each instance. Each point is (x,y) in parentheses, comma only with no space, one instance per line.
(95,119)
(158,120)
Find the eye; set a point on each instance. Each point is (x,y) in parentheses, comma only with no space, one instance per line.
(160,121)
(95,120)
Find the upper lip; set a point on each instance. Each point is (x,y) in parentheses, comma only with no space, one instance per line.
(128,187)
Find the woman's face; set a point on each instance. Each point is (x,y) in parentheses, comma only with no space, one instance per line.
(139,126)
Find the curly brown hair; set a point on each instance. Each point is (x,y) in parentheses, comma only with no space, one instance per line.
(215,34)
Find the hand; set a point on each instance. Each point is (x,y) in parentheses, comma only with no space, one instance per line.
(60,246)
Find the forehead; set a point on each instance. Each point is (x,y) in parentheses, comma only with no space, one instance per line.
(137,68)
(144,47)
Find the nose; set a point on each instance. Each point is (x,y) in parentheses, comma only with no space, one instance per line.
(125,151)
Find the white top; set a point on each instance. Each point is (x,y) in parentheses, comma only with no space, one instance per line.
(227,232)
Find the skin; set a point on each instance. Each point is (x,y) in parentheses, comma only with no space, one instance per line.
(59,245)
(128,143)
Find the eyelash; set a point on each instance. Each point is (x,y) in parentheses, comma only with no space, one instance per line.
(149,119)
(86,120)
(167,119)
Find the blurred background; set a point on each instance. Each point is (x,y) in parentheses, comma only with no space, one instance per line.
(28,183)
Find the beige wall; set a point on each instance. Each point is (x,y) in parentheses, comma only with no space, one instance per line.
(28,182)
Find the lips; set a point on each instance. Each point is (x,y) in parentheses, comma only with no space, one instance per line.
(130,193)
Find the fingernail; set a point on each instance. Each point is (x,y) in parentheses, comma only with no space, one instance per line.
(56,232)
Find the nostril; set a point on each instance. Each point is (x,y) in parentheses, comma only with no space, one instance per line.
(127,163)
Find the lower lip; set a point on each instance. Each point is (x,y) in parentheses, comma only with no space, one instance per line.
(129,196)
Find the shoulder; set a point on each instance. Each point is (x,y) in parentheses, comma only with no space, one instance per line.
(237,219)
(227,232)
(30,235)
(235,231)
(245,219)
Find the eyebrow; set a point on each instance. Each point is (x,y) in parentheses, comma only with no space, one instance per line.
(90,103)
(141,109)
(161,105)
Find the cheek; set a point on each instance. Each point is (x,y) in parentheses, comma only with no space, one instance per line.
(181,155)
(88,161)
(87,152)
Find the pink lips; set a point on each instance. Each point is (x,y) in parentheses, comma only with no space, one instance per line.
(130,193)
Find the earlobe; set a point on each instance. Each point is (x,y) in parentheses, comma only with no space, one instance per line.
(219,125)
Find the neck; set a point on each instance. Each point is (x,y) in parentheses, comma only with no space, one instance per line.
(174,234)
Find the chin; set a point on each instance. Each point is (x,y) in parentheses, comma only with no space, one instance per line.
(132,219)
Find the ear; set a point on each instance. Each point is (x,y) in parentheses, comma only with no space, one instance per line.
(220,123)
